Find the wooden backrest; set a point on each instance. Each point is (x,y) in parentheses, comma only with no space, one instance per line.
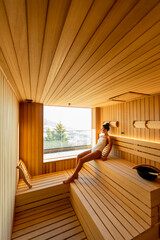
(24,172)
(141,148)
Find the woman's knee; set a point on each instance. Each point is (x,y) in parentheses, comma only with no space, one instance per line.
(79,156)
(81,161)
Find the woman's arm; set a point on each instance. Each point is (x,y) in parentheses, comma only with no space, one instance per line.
(109,149)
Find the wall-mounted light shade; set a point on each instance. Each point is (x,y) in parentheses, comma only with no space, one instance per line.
(146,124)
(114,124)
(139,124)
(153,124)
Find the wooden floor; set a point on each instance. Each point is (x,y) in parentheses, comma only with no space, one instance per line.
(56,220)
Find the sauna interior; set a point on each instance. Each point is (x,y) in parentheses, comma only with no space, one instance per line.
(98,54)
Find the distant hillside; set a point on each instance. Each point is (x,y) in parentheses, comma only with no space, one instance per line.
(49,124)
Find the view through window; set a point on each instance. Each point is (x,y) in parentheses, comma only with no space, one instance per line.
(67,131)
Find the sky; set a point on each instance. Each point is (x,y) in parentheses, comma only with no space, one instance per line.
(72,118)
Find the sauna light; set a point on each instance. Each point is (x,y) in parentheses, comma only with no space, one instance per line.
(146,124)
(114,124)
(139,124)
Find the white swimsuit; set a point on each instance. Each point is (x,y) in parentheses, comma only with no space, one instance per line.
(100,144)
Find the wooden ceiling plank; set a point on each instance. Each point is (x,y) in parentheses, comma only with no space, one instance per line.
(137,31)
(57,12)
(112,58)
(8,49)
(5,68)
(90,25)
(120,80)
(122,35)
(138,81)
(16,12)
(100,101)
(130,52)
(36,16)
(114,17)
(134,80)
(149,56)
(72,25)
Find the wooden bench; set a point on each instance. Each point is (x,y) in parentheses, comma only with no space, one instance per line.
(46,186)
(113,202)
(110,199)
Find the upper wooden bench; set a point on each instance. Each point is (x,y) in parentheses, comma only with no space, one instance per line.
(113,202)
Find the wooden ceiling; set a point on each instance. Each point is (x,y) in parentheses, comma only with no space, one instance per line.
(81,52)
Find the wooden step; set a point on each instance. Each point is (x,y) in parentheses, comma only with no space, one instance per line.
(103,214)
(45,188)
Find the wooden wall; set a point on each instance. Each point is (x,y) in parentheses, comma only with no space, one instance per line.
(96,127)
(31,141)
(31,136)
(147,108)
(9,116)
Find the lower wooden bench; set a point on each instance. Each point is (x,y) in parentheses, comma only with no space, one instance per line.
(44,211)
(45,188)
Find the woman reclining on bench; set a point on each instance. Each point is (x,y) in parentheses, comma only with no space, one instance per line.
(94,153)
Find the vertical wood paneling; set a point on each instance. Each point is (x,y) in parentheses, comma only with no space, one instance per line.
(147,108)
(9,116)
(31,136)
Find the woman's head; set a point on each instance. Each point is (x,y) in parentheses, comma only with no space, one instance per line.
(106,126)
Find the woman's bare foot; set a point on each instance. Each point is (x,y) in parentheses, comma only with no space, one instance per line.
(70,179)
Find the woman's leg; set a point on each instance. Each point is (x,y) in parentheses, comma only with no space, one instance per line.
(88,157)
(82,155)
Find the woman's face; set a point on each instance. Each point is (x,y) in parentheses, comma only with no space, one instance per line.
(103,130)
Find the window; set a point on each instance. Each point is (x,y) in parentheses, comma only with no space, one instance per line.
(67,131)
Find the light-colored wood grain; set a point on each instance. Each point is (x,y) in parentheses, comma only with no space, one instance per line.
(138,110)
(94,191)
(18,27)
(36,20)
(57,12)
(82,52)
(7,47)
(54,219)
(31,140)
(67,37)
(9,120)
(91,24)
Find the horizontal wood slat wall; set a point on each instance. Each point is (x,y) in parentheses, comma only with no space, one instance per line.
(9,117)
(31,141)
(147,108)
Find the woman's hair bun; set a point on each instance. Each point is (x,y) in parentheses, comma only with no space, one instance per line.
(106,125)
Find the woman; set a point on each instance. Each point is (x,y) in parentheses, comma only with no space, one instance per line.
(94,153)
